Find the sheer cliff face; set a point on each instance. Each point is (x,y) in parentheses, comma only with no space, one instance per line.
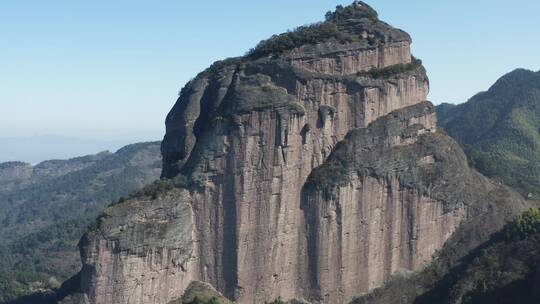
(373,205)
(261,209)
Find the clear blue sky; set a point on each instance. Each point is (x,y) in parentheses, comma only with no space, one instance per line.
(113,69)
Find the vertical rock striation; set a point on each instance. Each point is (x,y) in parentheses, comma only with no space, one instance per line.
(260,208)
(373,205)
(142,253)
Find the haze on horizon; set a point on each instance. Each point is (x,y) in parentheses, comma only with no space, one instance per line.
(112,70)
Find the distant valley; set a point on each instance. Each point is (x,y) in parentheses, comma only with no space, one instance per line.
(44,210)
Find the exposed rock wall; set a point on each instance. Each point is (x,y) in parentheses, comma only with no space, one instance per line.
(143,252)
(247,216)
(373,230)
(247,210)
(350,61)
(367,217)
(245,143)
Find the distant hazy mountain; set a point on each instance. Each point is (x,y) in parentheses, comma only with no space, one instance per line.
(45,208)
(39,148)
(499,129)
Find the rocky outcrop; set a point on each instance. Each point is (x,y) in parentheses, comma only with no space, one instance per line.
(203,292)
(271,197)
(373,205)
(151,254)
(349,60)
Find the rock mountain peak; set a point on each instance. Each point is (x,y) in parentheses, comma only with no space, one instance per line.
(244,205)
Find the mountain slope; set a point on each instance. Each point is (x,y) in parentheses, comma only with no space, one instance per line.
(45,208)
(499,129)
(506,270)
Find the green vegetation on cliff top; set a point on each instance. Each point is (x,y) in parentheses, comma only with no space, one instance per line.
(344,25)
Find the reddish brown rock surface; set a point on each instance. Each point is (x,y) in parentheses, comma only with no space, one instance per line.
(245,144)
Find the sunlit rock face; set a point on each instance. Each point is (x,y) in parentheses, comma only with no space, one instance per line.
(263,206)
